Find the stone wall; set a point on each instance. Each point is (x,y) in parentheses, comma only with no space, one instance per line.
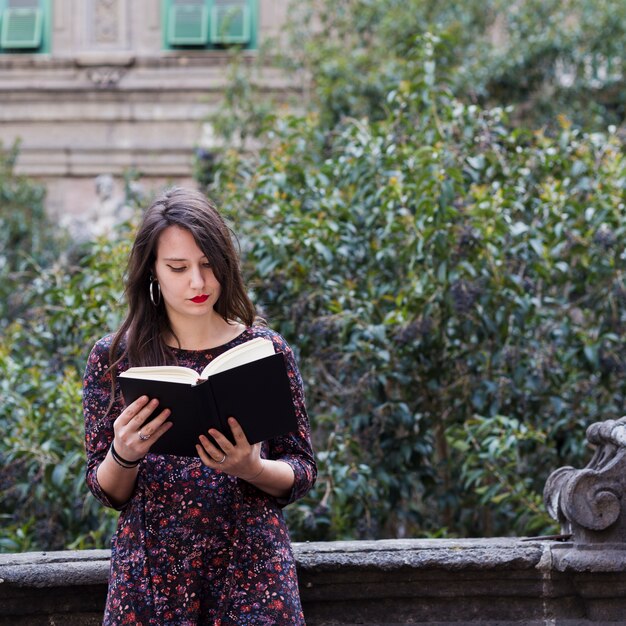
(109,99)
(467,581)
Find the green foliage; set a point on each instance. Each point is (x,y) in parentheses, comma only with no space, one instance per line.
(246,114)
(455,286)
(452,280)
(494,453)
(21,211)
(448,275)
(543,56)
(556,56)
(45,502)
(25,238)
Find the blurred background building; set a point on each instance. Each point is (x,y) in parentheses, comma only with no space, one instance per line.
(105,87)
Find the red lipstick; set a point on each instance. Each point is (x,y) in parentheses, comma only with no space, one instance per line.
(200,299)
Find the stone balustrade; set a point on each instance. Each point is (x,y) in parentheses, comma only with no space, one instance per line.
(575,579)
(405,581)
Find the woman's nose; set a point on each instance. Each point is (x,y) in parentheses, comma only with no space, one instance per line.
(197,278)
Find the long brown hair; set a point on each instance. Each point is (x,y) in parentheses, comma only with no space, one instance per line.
(140,337)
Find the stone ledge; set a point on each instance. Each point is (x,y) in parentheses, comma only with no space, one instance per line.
(447,554)
(384,583)
(54,569)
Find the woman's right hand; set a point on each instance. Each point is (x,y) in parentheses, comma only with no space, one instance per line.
(117,474)
(132,439)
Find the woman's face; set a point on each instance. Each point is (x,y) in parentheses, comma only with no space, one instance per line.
(188,286)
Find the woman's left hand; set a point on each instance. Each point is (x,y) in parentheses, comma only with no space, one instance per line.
(240,459)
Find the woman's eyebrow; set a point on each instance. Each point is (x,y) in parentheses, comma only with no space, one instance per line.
(180,260)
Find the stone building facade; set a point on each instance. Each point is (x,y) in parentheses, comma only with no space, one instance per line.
(108,90)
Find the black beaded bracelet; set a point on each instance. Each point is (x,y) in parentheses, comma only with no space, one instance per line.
(121,461)
(121,464)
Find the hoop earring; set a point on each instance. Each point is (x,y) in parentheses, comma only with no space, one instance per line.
(155,300)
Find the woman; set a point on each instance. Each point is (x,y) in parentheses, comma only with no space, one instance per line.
(200,540)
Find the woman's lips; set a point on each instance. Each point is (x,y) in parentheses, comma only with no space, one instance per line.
(200,299)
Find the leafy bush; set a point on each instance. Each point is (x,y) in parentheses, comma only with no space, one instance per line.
(45,503)
(25,233)
(455,287)
(543,56)
(65,305)
(453,281)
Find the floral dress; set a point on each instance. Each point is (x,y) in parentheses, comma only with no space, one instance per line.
(194,545)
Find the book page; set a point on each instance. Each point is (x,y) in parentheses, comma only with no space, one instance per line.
(243,353)
(166,373)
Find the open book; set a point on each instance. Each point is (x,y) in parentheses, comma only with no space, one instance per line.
(248,382)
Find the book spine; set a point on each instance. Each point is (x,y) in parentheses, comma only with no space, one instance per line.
(222,420)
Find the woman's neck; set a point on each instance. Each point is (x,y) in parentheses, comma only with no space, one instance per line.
(203,335)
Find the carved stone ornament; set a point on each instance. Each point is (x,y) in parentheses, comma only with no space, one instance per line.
(589,503)
(105,76)
(106,21)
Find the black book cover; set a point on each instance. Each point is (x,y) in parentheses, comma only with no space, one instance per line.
(257,394)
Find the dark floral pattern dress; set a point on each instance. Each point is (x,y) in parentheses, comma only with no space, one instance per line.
(193,545)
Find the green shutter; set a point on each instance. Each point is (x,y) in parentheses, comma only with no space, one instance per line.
(230,23)
(21,28)
(188,25)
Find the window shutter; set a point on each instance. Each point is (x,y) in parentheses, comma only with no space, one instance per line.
(188,25)
(21,28)
(230,23)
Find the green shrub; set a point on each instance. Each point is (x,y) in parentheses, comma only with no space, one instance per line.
(544,57)
(452,281)
(26,239)
(455,288)
(45,503)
